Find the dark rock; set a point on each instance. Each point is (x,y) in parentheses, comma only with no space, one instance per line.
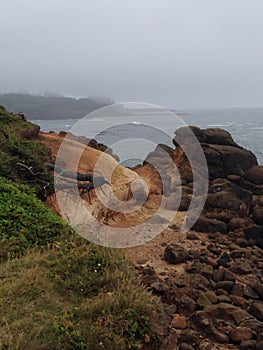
(185,202)
(241,267)
(199,282)
(259,345)
(192,236)
(194,254)
(224,299)
(218,136)
(229,276)
(214,250)
(211,296)
(230,196)
(148,280)
(175,254)
(220,336)
(185,346)
(204,224)
(237,223)
(239,301)
(224,260)
(258,288)
(218,275)
(248,345)
(226,285)
(258,216)
(223,159)
(237,254)
(256,309)
(189,337)
(210,261)
(257,252)
(187,304)
(231,160)
(234,178)
(255,189)
(254,232)
(232,247)
(255,175)
(170,310)
(203,300)
(224,215)
(204,269)
(237,290)
(240,333)
(159,287)
(242,242)
(240,316)
(188,134)
(250,293)
(222,292)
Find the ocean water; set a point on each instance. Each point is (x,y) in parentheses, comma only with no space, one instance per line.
(133,137)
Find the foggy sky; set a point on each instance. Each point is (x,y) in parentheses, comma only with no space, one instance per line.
(175,53)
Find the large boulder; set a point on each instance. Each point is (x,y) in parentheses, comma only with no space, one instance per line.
(255,175)
(219,137)
(225,194)
(225,160)
(204,224)
(175,254)
(224,157)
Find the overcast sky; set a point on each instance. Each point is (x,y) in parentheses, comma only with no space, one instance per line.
(175,53)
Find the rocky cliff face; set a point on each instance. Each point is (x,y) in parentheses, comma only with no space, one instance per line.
(210,278)
(213,283)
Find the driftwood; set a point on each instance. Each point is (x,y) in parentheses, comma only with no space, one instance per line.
(34,177)
(29,169)
(67,185)
(94,180)
(69,174)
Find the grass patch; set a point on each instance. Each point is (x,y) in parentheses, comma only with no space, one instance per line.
(24,220)
(16,149)
(75,296)
(58,291)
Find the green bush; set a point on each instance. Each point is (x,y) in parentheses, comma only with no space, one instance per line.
(14,149)
(24,220)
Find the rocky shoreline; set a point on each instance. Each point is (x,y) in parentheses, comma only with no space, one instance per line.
(212,286)
(209,279)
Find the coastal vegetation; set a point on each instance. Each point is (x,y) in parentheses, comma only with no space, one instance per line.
(57,290)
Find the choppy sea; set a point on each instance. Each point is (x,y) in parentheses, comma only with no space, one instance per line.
(134,137)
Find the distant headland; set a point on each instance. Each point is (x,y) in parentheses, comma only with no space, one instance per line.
(51,106)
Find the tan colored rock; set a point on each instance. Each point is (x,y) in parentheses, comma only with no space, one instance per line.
(179,322)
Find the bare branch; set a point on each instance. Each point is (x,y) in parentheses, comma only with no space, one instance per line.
(69,174)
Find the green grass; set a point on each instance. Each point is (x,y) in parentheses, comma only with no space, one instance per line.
(15,149)
(75,295)
(57,290)
(25,221)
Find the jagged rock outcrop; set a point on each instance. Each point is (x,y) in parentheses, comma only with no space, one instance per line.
(210,279)
(213,295)
(89,142)
(224,157)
